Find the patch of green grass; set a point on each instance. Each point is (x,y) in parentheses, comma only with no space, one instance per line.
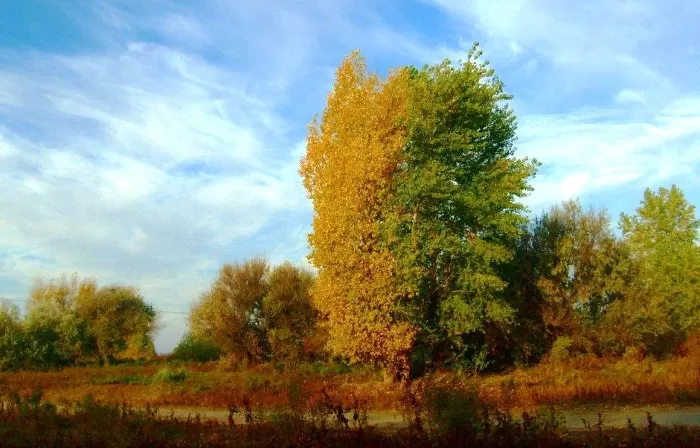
(165,375)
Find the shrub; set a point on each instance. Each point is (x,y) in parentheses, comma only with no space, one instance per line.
(166,375)
(196,349)
(561,349)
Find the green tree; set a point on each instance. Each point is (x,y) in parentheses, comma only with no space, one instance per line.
(584,273)
(120,321)
(76,320)
(13,341)
(455,214)
(191,348)
(568,270)
(663,304)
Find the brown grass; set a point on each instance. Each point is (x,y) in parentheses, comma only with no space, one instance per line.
(588,380)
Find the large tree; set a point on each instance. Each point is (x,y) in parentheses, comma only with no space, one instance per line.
(415,187)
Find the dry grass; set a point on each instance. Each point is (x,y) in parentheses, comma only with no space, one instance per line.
(592,380)
(578,381)
(30,421)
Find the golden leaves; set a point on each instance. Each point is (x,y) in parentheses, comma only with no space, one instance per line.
(352,152)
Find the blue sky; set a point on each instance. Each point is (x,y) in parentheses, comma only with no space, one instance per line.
(149,142)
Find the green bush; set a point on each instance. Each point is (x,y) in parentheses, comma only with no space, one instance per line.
(561,349)
(165,375)
(191,348)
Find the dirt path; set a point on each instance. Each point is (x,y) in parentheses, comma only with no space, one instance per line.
(615,417)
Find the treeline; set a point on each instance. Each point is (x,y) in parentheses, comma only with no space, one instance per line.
(73,322)
(573,287)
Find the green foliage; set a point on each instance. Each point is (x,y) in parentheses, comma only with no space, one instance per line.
(663,303)
(455,212)
(13,338)
(191,348)
(561,349)
(71,322)
(166,375)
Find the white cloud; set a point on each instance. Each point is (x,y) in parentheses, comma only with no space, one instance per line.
(630,96)
(606,149)
(147,161)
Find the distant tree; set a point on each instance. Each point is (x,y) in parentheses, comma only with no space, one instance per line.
(230,314)
(80,320)
(13,342)
(663,303)
(290,317)
(120,321)
(253,313)
(584,272)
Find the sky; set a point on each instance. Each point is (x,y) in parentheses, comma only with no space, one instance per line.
(149,142)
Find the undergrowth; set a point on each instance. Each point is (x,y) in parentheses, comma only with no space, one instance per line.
(435,415)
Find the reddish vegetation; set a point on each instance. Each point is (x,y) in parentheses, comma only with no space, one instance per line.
(577,381)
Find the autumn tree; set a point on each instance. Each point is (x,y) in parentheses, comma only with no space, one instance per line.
(253,312)
(352,152)
(230,312)
(415,190)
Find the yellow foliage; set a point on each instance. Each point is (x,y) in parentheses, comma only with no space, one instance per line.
(350,156)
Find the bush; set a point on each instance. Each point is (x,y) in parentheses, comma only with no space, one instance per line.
(166,375)
(191,348)
(450,408)
(561,349)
